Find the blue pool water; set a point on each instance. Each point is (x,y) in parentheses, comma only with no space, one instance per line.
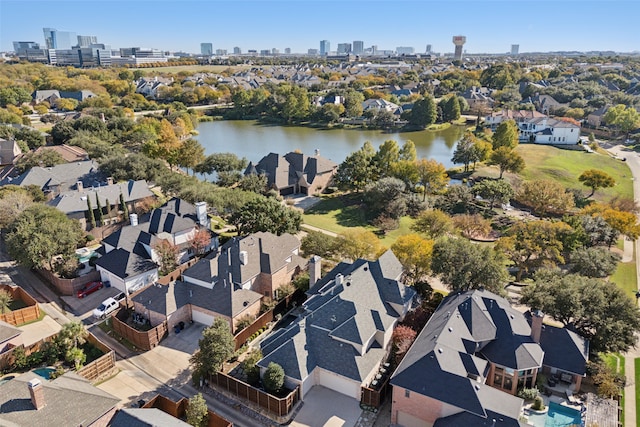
(44,372)
(557,416)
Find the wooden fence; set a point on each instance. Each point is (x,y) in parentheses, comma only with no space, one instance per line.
(279,407)
(374,397)
(102,365)
(69,286)
(175,274)
(178,410)
(27,314)
(145,340)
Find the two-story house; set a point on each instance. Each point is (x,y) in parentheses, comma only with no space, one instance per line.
(536,127)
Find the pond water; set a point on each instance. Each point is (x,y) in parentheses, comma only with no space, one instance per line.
(253,140)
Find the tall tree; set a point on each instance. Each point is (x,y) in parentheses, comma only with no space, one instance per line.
(266,214)
(12,204)
(465,152)
(506,135)
(215,347)
(450,108)
(5,301)
(494,191)
(273,378)
(167,254)
(200,241)
(424,112)
(595,179)
(507,159)
(197,411)
(433,223)
(356,171)
(545,197)
(408,151)
(190,154)
(622,117)
(432,175)
(354,244)
(90,214)
(388,154)
(98,211)
(124,208)
(386,197)
(414,253)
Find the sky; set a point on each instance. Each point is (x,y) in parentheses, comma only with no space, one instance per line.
(489,26)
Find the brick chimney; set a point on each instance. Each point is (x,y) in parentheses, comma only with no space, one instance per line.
(536,325)
(37,394)
(315,271)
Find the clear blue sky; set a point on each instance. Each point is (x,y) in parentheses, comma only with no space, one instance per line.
(490,26)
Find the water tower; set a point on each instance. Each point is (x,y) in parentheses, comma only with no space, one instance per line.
(459,41)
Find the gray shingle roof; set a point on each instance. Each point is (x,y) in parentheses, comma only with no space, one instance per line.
(65,175)
(70,401)
(342,328)
(290,169)
(145,417)
(7,332)
(76,201)
(125,264)
(564,349)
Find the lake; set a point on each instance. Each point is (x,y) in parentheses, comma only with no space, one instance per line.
(253,140)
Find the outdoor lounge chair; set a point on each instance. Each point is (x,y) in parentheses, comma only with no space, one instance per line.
(572,398)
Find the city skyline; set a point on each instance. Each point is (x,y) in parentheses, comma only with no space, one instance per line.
(536,26)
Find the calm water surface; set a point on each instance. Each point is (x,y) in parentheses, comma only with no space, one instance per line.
(254,140)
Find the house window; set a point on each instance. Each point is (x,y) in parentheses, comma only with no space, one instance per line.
(407,394)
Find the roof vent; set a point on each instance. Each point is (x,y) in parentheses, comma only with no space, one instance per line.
(440,350)
(450,329)
(477,387)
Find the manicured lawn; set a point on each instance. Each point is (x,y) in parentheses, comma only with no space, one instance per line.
(626,277)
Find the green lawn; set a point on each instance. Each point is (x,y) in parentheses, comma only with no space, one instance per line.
(626,277)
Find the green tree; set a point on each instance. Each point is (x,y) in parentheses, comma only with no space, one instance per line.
(450,108)
(72,335)
(595,179)
(32,137)
(408,151)
(49,233)
(466,152)
(494,191)
(463,265)
(249,364)
(167,256)
(432,175)
(44,159)
(266,214)
(190,154)
(124,208)
(594,262)
(356,171)
(388,154)
(99,219)
(90,214)
(507,160)
(273,378)
(623,118)
(318,243)
(62,132)
(424,112)
(414,253)
(353,103)
(76,356)
(599,311)
(545,197)
(197,411)
(506,135)
(386,197)
(433,223)
(5,301)
(254,183)
(221,162)
(11,205)
(215,347)
(356,244)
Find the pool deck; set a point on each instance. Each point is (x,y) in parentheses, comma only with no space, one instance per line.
(601,412)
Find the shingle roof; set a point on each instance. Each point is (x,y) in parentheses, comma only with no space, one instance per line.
(145,417)
(7,332)
(564,349)
(125,264)
(285,171)
(343,325)
(76,201)
(70,401)
(65,175)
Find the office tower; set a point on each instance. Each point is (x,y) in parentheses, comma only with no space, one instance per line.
(312,51)
(374,49)
(275,51)
(287,51)
(514,49)
(344,48)
(428,49)
(206,49)
(86,41)
(358,47)
(237,51)
(405,50)
(221,52)
(55,39)
(325,47)
(459,42)
(265,52)
(25,45)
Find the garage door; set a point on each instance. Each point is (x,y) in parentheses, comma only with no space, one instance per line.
(408,420)
(202,318)
(340,384)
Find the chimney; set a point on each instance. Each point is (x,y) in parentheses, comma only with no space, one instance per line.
(315,271)
(37,393)
(244,257)
(110,180)
(536,325)
(201,213)
(339,278)
(133,218)
(79,186)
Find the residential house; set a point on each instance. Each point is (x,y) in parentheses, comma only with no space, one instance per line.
(149,87)
(51,96)
(70,153)
(129,260)
(544,104)
(295,173)
(379,104)
(229,283)
(9,151)
(596,118)
(69,400)
(467,364)
(75,204)
(478,98)
(60,178)
(537,128)
(9,336)
(343,333)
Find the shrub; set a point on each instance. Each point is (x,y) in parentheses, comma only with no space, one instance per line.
(273,378)
(538,404)
(19,359)
(528,393)
(250,368)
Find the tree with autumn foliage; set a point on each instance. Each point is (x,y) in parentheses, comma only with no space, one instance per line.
(622,221)
(354,244)
(595,179)
(402,338)
(414,253)
(432,175)
(200,241)
(167,254)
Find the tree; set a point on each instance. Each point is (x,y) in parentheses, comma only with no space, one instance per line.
(595,179)
(49,233)
(76,356)
(249,364)
(598,231)
(507,159)
(215,347)
(11,205)
(545,197)
(622,117)
(463,265)
(90,214)
(408,151)
(5,301)
(355,172)
(414,253)
(354,244)
(200,241)
(167,254)
(434,223)
(254,183)
(318,243)
(621,221)
(266,214)
(197,411)
(457,199)
(530,244)
(402,338)
(99,220)
(73,334)
(450,108)
(62,132)
(124,208)
(466,151)
(506,135)
(386,197)
(166,146)
(594,262)
(432,175)
(388,154)
(221,162)
(44,159)
(190,154)
(353,103)
(494,191)
(273,378)
(424,112)
(599,311)
(472,226)
(32,137)
(66,104)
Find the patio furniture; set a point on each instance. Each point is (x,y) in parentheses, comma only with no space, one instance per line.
(552,382)
(572,398)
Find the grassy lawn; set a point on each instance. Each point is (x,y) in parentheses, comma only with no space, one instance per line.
(615,361)
(106,327)
(625,276)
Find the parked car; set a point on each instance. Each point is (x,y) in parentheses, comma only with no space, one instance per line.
(105,308)
(89,288)
(120,296)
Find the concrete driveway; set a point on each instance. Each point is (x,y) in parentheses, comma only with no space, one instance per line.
(327,408)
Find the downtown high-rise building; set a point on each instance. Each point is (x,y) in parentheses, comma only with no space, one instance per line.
(325,47)
(55,39)
(344,48)
(287,51)
(428,51)
(358,47)
(405,50)
(86,41)
(515,48)
(237,51)
(206,49)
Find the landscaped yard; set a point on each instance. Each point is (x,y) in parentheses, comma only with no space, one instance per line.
(625,276)
(615,361)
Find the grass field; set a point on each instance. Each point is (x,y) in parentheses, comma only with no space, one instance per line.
(625,276)
(192,68)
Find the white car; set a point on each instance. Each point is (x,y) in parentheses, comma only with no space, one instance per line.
(109,305)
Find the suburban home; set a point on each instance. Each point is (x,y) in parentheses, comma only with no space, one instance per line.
(544,104)
(536,127)
(229,283)
(149,87)
(75,204)
(9,151)
(343,334)
(596,118)
(51,96)
(478,98)
(9,336)
(467,364)
(295,173)
(69,400)
(60,178)
(129,261)
(70,153)
(379,104)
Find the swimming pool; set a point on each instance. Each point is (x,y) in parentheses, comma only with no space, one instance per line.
(44,372)
(557,416)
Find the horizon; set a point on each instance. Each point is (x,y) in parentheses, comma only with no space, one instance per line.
(536,26)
